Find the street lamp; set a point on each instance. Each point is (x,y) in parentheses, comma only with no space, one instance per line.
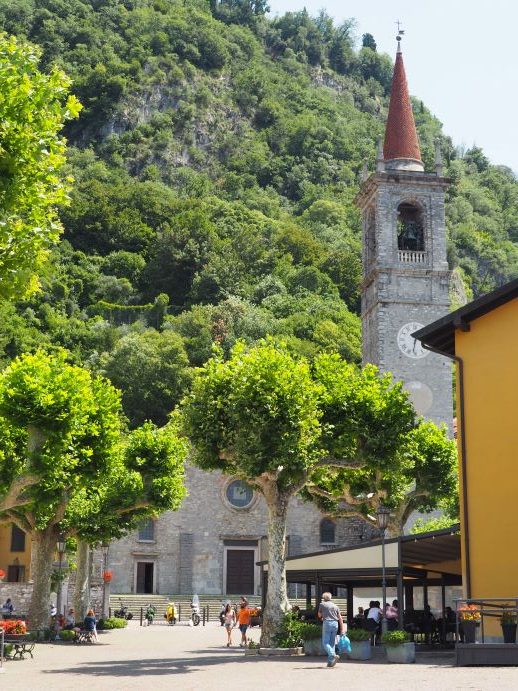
(60,545)
(382,516)
(104,548)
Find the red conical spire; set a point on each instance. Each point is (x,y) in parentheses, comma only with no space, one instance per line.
(400,134)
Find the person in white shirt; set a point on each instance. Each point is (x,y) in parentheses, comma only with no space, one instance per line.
(375,612)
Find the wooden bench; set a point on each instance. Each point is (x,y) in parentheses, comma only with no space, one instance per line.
(22,646)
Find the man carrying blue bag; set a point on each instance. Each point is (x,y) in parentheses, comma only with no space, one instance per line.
(332,624)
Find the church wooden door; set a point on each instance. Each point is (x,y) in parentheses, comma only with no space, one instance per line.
(240,571)
(145,575)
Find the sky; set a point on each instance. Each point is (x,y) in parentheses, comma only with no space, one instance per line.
(461,59)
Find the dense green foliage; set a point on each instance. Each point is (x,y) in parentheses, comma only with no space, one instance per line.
(216,162)
(33,108)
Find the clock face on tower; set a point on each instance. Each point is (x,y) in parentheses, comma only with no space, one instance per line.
(407,344)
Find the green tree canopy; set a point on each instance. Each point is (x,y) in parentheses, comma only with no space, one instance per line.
(64,464)
(327,430)
(33,109)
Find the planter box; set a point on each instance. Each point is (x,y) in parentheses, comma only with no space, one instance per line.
(280,652)
(469,629)
(360,650)
(486,654)
(313,647)
(509,633)
(401,654)
(251,651)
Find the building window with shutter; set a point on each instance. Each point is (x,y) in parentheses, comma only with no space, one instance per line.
(327,532)
(146,531)
(17,539)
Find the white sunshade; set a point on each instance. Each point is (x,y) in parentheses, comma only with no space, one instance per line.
(368,557)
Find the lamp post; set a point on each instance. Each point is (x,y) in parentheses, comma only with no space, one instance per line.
(382,516)
(104,548)
(60,545)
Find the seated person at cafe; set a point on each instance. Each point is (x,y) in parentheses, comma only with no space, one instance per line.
(391,615)
(373,617)
(8,607)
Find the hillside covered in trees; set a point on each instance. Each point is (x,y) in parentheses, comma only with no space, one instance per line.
(215,162)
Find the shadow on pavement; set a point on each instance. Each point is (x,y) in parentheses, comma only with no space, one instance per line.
(157,666)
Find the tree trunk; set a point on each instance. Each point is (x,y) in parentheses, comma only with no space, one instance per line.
(43,548)
(82,589)
(276,597)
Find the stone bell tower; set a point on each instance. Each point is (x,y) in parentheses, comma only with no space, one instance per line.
(405,270)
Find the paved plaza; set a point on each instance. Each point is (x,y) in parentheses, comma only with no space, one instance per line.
(161,657)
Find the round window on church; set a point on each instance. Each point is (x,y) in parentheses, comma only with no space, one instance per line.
(239,495)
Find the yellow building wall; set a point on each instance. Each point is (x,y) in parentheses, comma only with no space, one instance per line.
(8,558)
(490,354)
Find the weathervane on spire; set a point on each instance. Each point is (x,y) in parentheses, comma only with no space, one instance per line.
(400,34)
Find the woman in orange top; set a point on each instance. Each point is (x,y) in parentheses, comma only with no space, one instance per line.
(243,620)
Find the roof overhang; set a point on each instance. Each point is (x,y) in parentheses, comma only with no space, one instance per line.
(417,556)
(440,335)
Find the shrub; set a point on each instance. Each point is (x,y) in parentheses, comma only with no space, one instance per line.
(8,649)
(395,637)
(358,635)
(112,623)
(290,632)
(67,635)
(311,631)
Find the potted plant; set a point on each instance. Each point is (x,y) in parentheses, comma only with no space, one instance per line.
(252,648)
(508,621)
(360,644)
(470,619)
(311,635)
(399,648)
(288,639)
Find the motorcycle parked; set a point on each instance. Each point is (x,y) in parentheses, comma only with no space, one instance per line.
(123,612)
(195,610)
(150,614)
(170,614)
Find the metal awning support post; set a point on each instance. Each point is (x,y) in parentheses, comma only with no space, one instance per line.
(308,595)
(318,589)
(443,605)
(400,598)
(350,604)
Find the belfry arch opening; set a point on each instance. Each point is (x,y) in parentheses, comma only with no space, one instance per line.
(410,228)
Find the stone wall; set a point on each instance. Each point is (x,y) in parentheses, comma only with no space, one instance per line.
(20,594)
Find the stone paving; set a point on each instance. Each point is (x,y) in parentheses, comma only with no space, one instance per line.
(161,657)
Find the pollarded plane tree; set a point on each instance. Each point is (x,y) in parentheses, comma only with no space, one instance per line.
(63,456)
(400,462)
(146,480)
(286,427)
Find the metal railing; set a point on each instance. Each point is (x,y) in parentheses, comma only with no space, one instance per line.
(479,611)
(411,257)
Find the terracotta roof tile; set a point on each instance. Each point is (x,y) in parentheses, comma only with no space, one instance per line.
(400,133)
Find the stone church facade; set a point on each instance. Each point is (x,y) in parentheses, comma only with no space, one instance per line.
(212,544)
